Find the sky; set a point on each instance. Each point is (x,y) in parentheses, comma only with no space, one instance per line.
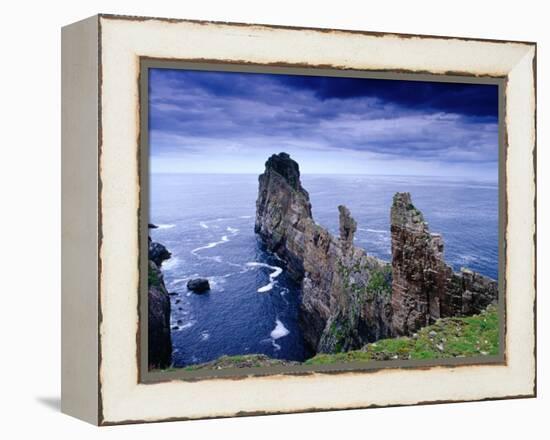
(223,122)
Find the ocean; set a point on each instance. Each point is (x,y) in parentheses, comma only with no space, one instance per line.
(207,223)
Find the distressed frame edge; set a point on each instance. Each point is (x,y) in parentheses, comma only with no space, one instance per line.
(125,17)
(147,376)
(533,151)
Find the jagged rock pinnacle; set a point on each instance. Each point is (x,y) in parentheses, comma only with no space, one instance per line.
(405,215)
(348,225)
(285,166)
(350,298)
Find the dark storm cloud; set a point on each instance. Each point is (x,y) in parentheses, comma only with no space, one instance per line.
(394,119)
(467,99)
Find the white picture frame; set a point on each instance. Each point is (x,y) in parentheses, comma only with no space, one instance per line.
(101,381)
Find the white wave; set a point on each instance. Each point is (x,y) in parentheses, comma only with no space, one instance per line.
(170,264)
(465,259)
(216,283)
(232,230)
(280,331)
(224,239)
(275,345)
(245,216)
(205,336)
(184,280)
(187,325)
(203,225)
(374,231)
(276,272)
(166,226)
(178,328)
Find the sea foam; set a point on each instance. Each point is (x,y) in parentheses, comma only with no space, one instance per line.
(224,239)
(166,226)
(276,272)
(279,331)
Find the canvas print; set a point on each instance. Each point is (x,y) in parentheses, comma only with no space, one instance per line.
(314,220)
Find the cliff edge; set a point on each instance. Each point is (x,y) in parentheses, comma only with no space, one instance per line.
(350,298)
(424,287)
(159,336)
(345,293)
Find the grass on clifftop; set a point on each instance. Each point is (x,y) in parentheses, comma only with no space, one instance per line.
(237,361)
(448,338)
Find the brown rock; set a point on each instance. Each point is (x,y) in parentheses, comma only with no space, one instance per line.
(424,287)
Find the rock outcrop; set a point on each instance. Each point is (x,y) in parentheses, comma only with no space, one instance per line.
(424,287)
(158,253)
(159,336)
(350,298)
(345,299)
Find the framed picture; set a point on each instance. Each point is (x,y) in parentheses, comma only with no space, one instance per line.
(262,220)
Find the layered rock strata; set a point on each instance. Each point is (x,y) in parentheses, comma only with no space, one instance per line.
(350,298)
(424,287)
(159,336)
(345,293)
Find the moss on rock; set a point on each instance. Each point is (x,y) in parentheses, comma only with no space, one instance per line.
(448,338)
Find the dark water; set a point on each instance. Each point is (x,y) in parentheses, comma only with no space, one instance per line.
(207,222)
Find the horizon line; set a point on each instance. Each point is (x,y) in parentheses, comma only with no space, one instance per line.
(332,174)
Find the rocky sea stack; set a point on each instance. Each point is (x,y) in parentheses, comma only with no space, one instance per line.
(350,298)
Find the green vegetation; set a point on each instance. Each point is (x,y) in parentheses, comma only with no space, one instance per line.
(237,361)
(447,338)
(379,283)
(153,277)
(339,332)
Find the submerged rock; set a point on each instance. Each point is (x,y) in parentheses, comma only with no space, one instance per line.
(198,285)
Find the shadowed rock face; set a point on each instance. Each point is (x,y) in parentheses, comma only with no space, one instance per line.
(160,339)
(348,297)
(424,287)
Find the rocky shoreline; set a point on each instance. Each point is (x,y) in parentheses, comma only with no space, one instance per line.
(159,335)
(350,300)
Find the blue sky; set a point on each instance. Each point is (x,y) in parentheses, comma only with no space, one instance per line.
(221,122)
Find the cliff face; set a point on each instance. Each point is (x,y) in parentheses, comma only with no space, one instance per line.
(348,297)
(160,340)
(283,212)
(424,287)
(340,298)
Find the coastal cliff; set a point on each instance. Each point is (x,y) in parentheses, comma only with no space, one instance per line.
(424,287)
(350,298)
(160,340)
(345,293)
